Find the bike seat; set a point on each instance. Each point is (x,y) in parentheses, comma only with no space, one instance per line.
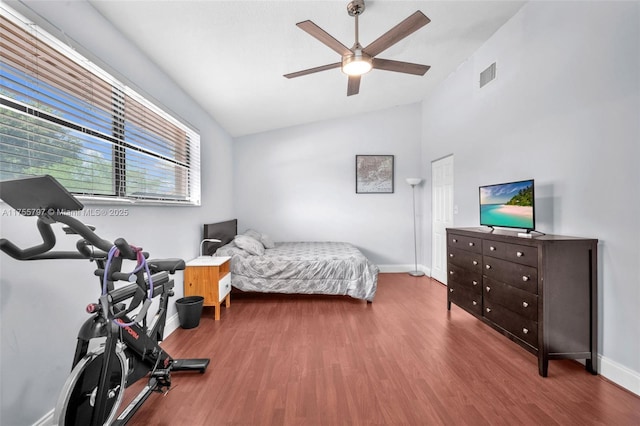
(169,265)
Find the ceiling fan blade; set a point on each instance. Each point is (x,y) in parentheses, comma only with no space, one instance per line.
(353,88)
(397,66)
(397,33)
(324,37)
(312,70)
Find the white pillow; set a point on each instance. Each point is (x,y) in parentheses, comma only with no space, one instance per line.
(253,234)
(249,244)
(231,250)
(266,241)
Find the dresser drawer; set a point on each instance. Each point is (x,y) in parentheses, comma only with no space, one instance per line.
(517,301)
(467,300)
(517,275)
(466,259)
(472,281)
(465,243)
(525,255)
(224,286)
(523,328)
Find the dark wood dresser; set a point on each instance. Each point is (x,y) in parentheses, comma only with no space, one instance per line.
(541,292)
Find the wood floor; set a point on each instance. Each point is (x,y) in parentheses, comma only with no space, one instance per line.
(403,360)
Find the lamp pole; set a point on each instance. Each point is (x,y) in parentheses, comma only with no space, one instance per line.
(413,182)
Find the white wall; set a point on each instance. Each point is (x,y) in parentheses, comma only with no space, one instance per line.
(299,183)
(564,110)
(42,303)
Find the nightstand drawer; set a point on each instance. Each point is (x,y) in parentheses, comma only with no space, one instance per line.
(224,286)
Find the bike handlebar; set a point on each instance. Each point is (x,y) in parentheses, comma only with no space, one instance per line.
(45,191)
(42,251)
(48,241)
(125,249)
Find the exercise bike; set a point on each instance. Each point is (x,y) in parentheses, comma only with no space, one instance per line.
(115,346)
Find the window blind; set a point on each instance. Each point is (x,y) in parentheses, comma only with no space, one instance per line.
(62,115)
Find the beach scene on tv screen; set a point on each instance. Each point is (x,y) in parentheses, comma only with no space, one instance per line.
(508,205)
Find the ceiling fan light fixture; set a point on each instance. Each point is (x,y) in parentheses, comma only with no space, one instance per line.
(357,64)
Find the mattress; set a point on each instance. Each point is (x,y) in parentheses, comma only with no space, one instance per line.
(333,268)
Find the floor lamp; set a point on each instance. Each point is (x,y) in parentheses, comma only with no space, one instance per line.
(413,182)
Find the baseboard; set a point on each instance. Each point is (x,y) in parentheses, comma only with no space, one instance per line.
(619,374)
(171,325)
(403,268)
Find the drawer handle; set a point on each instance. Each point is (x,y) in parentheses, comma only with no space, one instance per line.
(474,282)
(488,266)
(525,304)
(455,241)
(450,254)
(488,289)
(450,272)
(471,244)
(475,262)
(525,278)
(488,309)
(492,248)
(525,331)
(450,290)
(519,254)
(474,303)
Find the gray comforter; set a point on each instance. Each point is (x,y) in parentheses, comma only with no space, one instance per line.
(304,268)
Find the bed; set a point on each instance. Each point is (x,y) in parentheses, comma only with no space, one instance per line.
(319,267)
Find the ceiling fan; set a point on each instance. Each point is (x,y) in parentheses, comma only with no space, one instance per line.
(358,60)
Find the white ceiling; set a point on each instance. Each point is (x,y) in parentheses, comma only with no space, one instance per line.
(230,56)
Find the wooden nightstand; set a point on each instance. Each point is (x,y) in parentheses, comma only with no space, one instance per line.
(210,278)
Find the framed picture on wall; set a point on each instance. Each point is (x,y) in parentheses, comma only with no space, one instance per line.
(374,174)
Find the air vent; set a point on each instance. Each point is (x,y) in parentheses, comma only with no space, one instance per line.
(487,75)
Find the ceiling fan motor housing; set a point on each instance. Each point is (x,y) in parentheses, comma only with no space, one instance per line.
(355,7)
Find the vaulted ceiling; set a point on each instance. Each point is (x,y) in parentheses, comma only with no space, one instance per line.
(230,56)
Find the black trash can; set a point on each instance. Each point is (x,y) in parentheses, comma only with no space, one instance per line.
(189,311)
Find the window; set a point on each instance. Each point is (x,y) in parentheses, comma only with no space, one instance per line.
(64,116)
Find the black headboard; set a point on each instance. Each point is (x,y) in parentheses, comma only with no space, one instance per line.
(223,231)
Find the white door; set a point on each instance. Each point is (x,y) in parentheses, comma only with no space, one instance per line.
(441,214)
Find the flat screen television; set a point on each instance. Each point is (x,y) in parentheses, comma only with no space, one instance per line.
(508,205)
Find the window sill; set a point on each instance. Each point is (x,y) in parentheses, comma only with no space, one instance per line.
(102,201)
